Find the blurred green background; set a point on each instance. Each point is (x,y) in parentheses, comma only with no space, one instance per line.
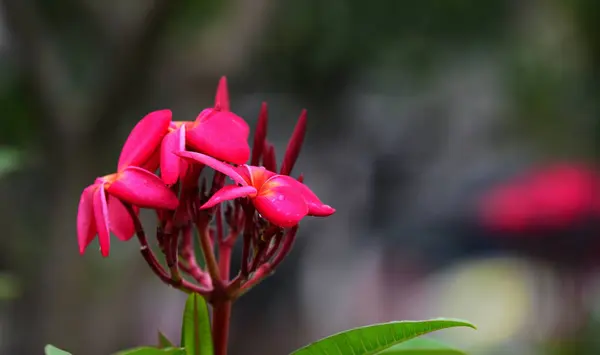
(416,108)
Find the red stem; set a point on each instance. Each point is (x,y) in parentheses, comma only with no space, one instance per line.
(224,247)
(188,262)
(225,261)
(172,260)
(265,269)
(248,232)
(156,267)
(221,319)
(207,250)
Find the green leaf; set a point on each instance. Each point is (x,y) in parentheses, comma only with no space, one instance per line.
(373,339)
(421,346)
(146,350)
(196,337)
(163,341)
(53,350)
(10,160)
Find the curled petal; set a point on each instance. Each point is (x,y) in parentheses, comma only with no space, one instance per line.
(170,166)
(102,222)
(222,135)
(120,220)
(280,203)
(222,96)
(315,206)
(227,193)
(143,189)
(215,164)
(144,139)
(86,223)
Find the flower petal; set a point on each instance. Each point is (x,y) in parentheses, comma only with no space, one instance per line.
(280,203)
(120,220)
(258,175)
(315,206)
(152,164)
(144,139)
(215,164)
(223,135)
(170,166)
(143,189)
(86,223)
(227,193)
(222,96)
(102,222)
(209,113)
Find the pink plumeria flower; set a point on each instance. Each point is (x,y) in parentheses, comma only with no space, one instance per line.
(281,199)
(216,131)
(101,207)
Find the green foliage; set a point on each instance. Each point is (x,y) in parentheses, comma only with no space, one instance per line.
(421,346)
(374,339)
(164,342)
(152,351)
(53,350)
(196,336)
(10,159)
(9,284)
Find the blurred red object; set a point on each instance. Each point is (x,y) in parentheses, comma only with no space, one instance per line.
(552,197)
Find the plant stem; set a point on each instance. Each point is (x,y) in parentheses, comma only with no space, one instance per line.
(221,318)
(208,251)
(267,268)
(152,261)
(224,260)
(187,261)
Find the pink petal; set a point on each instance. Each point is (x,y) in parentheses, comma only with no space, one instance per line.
(170,163)
(152,164)
(121,223)
(227,193)
(215,164)
(222,97)
(143,189)
(236,120)
(315,206)
(222,135)
(144,139)
(101,216)
(86,224)
(258,175)
(280,203)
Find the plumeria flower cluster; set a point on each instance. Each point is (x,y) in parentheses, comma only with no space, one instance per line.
(180,170)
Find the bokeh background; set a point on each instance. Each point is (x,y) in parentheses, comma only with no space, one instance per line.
(458,140)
